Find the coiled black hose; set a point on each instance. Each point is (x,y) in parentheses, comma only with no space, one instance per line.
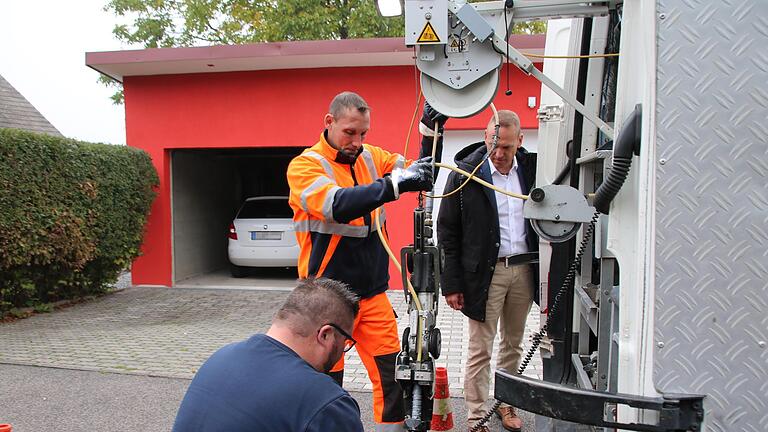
(627,144)
(555,307)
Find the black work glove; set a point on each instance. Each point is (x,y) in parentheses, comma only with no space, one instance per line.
(417,177)
(430,116)
(427,129)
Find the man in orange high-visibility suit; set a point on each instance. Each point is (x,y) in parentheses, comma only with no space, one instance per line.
(335,187)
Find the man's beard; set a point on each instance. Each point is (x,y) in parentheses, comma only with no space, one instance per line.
(350,152)
(329,362)
(348,157)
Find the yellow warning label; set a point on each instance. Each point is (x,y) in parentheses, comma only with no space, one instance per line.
(428,34)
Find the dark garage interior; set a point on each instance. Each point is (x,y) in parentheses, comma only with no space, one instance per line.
(207,188)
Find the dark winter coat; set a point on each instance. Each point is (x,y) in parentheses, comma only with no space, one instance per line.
(468,229)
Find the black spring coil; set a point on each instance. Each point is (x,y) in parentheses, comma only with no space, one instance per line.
(487,417)
(613,183)
(537,338)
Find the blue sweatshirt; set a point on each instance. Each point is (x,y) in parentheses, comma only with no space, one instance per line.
(262,385)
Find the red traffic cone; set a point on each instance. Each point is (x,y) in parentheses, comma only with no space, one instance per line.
(5,427)
(442,413)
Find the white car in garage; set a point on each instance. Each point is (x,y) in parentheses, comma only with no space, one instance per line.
(262,235)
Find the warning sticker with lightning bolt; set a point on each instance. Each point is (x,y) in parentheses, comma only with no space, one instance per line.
(428,34)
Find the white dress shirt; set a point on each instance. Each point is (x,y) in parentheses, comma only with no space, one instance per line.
(511,221)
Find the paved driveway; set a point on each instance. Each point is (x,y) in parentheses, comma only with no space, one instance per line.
(145,332)
(169,332)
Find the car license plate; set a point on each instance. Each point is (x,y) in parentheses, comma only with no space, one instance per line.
(266,235)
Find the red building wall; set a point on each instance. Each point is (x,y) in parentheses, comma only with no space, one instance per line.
(276,108)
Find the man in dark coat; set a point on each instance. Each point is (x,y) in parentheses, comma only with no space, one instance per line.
(489,248)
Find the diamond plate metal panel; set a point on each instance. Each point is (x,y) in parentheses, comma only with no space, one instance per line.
(711,322)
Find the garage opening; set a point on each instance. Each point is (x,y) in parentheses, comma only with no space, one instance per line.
(208,186)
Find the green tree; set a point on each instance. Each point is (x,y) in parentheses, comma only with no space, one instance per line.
(530,27)
(173,23)
(177,23)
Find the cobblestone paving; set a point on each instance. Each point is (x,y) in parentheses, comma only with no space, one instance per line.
(170,332)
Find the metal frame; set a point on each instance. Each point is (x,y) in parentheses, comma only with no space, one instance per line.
(544,10)
(677,413)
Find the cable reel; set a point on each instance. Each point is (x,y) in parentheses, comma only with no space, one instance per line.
(557,211)
(455,53)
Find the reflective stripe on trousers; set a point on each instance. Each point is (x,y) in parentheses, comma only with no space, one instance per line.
(389,427)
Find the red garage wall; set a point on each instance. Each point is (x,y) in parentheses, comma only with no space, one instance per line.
(275,108)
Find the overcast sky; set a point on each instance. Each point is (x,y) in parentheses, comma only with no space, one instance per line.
(42,54)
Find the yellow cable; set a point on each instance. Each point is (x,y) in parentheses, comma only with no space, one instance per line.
(410,128)
(479,180)
(411,290)
(415,296)
(434,150)
(461,186)
(471,176)
(570,57)
(386,244)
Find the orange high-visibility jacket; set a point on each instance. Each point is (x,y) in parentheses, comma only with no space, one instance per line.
(333,198)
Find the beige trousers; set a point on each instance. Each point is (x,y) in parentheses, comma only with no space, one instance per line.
(509,301)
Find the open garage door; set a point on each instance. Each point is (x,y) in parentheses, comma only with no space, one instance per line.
(207,188)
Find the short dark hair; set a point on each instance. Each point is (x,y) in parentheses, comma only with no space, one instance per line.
(318,301)
(345,101)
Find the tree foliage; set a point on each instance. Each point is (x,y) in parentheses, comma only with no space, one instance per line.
(178,23)
(174,23)
(530,27)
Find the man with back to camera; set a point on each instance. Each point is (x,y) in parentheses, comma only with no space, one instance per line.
(335,187)
(278,381)
(488,245)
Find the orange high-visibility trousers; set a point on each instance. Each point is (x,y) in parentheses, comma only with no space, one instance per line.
(378,345)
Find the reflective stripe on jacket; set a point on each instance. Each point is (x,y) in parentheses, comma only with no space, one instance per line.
(333,200)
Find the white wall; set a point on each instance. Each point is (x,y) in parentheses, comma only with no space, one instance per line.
(205,195)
